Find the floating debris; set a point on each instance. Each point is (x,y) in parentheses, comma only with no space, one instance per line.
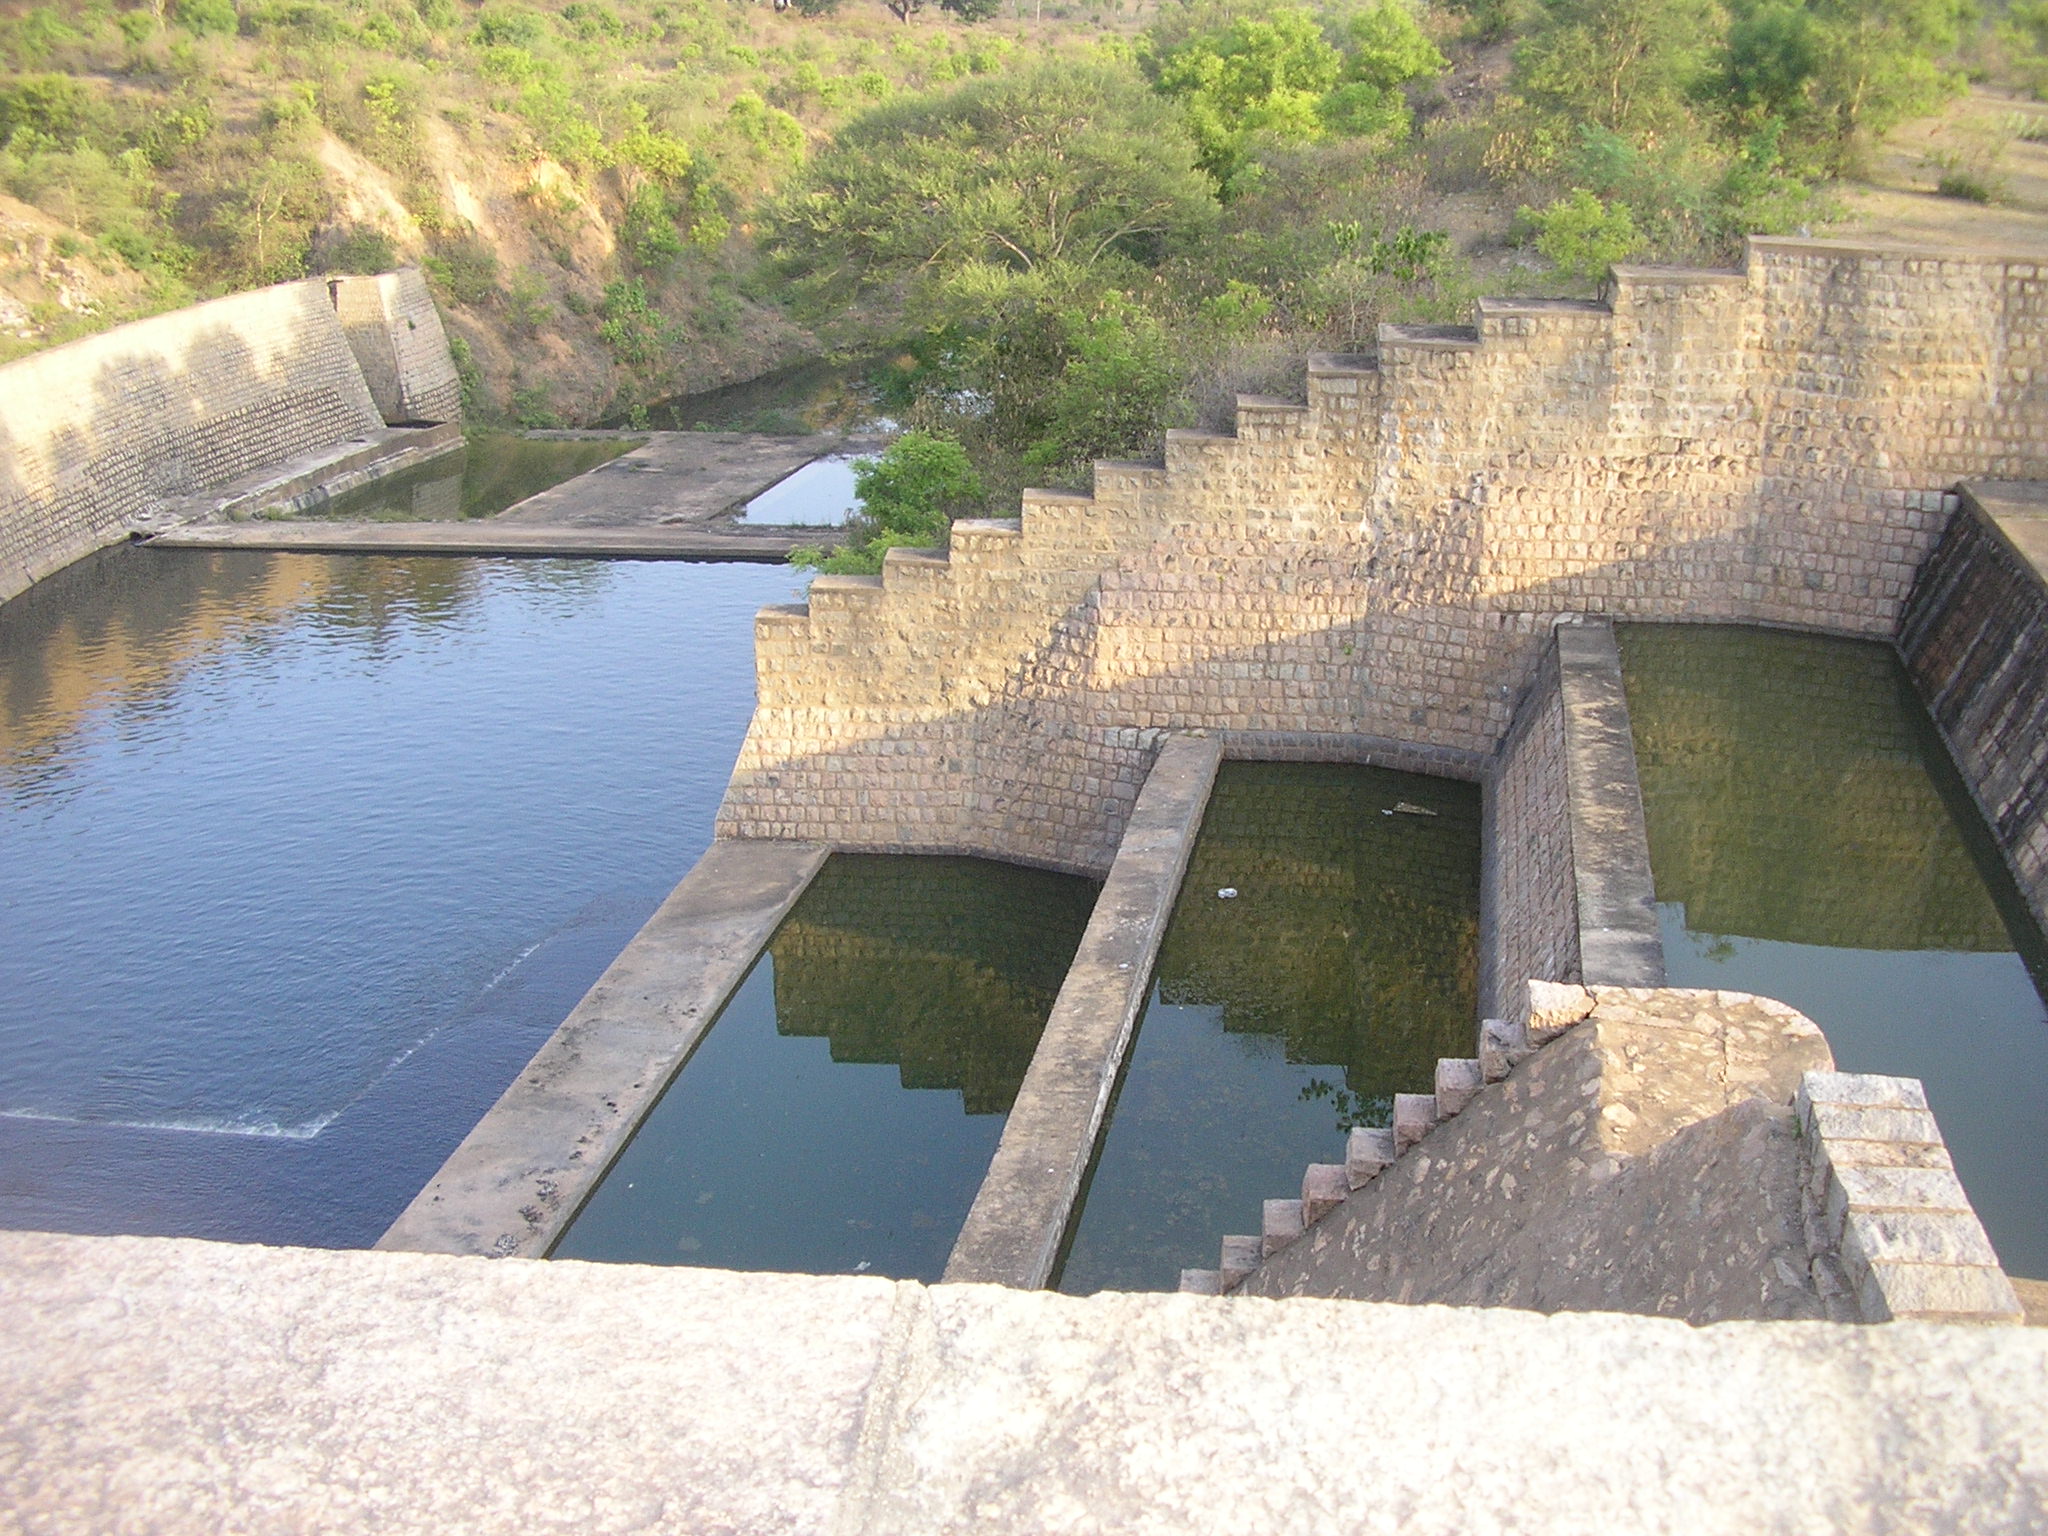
(1228,893)
(1408,808)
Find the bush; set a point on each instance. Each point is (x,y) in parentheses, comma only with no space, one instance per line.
(909,496)
(353,248)
(1583,236)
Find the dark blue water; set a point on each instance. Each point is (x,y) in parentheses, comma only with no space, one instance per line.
(1342,968)
(841,1112)
(1810,841)
(301,857)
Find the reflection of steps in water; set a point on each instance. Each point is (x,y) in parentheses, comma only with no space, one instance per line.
(945,967)
(1787,792)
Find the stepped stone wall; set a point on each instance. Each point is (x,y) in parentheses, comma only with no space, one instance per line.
(1372,574)
(103,430)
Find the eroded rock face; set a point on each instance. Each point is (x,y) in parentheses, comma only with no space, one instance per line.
(1646,1160)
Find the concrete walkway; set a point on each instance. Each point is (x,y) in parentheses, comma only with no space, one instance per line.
(485,536)
(678,479)
(521,1175)
(168,1386)
(1013,1231)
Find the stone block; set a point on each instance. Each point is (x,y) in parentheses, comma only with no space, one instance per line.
(1414,1116)
(1860,1090)
(1889,1292)
(1241,1256)
(1457,1079)
(1367,1150)
(1279,1224)
(1501,1044)
(1894,1189)
(1830,1123)
(1324,1187)
(1915,1237)
(1201,1282)
(1552,1007)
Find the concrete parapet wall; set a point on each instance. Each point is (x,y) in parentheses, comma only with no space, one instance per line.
(1383,563)
(170,1386)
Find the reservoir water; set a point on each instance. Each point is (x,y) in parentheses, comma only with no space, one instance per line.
(839,1115)
(1810,841)
(1279,1017)
(301,857)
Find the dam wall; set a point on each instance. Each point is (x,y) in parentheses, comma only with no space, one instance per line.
(98,433)
(1372,574)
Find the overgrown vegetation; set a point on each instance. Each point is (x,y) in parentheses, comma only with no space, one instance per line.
(1069,226)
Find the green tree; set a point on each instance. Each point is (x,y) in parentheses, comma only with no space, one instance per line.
(1058,165)
(1881,61)
(1626,65)
(1262,76)
(909,496)
(1582,235)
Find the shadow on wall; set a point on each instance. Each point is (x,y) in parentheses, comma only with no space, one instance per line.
(98,432)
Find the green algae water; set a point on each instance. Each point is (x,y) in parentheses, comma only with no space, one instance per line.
(303,856)
(1810,841)
(491,471)
(838,1116)
(1342,968)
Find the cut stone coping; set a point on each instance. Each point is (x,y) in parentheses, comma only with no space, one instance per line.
(485,536)
(2018,511)
(1013,1231)
(520,1176)
(173,1386)
(1619,942)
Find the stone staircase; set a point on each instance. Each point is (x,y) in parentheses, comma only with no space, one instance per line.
(1552,1009)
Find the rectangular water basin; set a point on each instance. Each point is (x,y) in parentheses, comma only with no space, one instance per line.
(840,1113)
(1811,842)
(1321,956)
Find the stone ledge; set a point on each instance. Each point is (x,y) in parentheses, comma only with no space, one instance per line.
(174,1387)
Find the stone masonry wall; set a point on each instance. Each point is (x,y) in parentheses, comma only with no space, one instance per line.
(1532,915)
(1371,574)
(395,332)
(103,430)
(1975,640)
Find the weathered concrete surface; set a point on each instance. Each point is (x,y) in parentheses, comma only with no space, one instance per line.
(170,1387)
(1619,944)
(679,478)
(520,1175)
(1013,1231)
(484,536)
(1646,1161)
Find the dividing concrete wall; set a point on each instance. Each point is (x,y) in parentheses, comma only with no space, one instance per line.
(1567,889)
(1379,567)
(102,432)
(1975,640)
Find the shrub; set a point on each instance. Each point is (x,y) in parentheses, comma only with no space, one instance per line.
(1583,236)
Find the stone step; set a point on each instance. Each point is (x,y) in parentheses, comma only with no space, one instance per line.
(1201,1282)
(914,570)
(1502,1044)
(1324,1187)
(1367,1150)
(1415,1115)
(1241,1256)
(1279,1224)
(1457,1079)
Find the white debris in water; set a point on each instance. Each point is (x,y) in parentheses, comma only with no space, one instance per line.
(1408,808)
(1228,893)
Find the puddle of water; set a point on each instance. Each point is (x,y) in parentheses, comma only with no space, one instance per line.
(493,471)
(819,495)
(840,1114)
(301,857)
(1810,841)
(1341,970)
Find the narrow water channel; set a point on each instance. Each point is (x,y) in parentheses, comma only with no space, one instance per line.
(1343,966)
(1810,841)
(840,1114)
(301,857)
